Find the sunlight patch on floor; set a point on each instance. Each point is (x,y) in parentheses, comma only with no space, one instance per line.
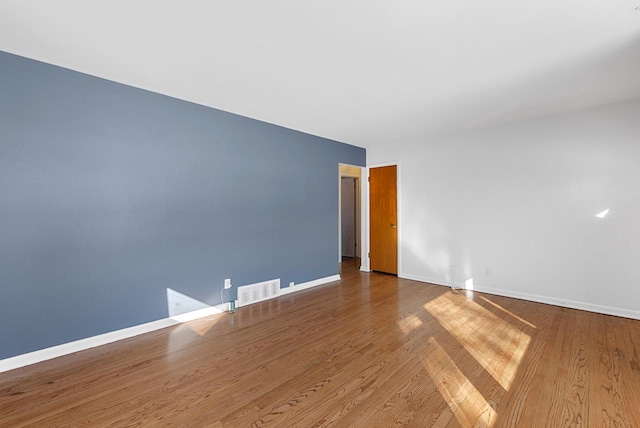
(496,344)
(191,331)
(409,323)
(467,404)
(500,308)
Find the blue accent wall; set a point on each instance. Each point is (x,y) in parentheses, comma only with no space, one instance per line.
(110,194)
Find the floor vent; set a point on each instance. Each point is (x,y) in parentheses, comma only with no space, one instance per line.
(253,293)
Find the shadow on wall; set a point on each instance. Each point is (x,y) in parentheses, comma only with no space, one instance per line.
(580,82)
(608,77)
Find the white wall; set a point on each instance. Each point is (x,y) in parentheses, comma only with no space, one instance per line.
(521,200)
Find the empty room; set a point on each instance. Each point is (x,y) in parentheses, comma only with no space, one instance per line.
(299,214)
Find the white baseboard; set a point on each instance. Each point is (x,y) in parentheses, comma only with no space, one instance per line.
(435,281)
(113,336)
(102,339)
(584,306)
(310,284)
(601,309)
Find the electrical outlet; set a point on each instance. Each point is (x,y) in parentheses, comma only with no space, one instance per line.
(452,269)
(487,272)
(227,283)
(291,284)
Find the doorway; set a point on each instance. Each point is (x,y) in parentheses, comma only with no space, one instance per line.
(383,226)
(350,214)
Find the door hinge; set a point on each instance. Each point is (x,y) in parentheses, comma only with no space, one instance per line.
(369,255)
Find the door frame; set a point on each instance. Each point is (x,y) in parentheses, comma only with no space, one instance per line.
(365,265)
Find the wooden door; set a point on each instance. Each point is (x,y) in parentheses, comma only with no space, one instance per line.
(383,233)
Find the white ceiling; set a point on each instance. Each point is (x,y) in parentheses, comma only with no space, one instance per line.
(364,72)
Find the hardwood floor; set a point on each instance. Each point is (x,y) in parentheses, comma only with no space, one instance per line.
(371,350)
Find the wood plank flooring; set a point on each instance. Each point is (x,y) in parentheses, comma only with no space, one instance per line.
(370,350)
